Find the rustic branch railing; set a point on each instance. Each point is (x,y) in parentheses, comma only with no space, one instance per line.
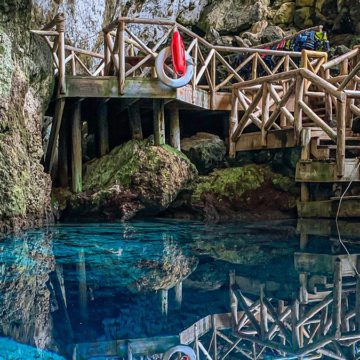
(270,94)
(126,55)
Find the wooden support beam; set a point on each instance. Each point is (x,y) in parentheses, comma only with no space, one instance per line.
(76,151)
(277,321)
(233,299)
(81,271)
(54,134)
(63,169)
(357,304)
(178,295)
(294,327)
(103,128)
(174,128)
(340,139)
(164,295)
(248,312)
(159,122)
(135,121)
(263,313)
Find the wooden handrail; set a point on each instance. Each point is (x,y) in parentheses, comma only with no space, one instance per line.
(336,61)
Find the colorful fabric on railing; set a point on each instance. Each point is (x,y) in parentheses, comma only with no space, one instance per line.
(308,40)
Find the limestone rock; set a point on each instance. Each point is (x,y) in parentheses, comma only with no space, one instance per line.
(303,17)
(134,177)
(204,150)
(302,3)
(232,16)
(248,192)
(272,33)
(259,27)
(25,88)
(285,14)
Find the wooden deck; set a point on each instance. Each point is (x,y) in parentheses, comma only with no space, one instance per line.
(303,100)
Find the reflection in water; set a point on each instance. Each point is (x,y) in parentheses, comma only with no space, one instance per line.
(292,293)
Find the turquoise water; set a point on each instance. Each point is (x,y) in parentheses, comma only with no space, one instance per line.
(87,283)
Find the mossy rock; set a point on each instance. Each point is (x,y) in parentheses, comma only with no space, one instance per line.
(135,172)
(246,193)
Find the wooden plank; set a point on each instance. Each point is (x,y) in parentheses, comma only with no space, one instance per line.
(323,263)
(328,208)
(276,139)
(119,348)
(318,171)
(107,87)
(203,326)
(55,128)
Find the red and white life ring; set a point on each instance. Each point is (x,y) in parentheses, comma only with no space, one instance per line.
(183,64)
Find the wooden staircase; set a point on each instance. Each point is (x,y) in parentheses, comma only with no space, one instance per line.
(319,111)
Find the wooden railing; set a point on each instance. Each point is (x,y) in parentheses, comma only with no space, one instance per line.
(271,101)
(126,55)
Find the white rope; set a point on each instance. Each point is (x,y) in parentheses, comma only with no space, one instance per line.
(337,217)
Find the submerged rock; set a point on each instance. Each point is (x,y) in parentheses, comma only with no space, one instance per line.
(204,150)
(133,178)
(249,192)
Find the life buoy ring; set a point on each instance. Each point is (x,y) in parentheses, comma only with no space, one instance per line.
(178,54)
(163,55)
(187,351)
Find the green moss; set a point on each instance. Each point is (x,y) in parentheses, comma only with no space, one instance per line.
(231,182)
(283,183)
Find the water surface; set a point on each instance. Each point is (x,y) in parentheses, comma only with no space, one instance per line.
(92,283)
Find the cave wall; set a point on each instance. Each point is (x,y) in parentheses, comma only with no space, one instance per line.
(26,83)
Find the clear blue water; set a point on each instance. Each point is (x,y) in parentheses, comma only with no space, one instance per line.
(78,283)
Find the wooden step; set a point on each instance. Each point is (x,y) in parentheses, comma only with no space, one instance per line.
(318,171)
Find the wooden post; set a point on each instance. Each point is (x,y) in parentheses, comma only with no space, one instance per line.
(214,337)
(178,295)
(121,76)
(55,128)
(159,122)
(233,123)
(213,81)
(340,139)
(328,101)
(305,155)
(135,122)
(60,28)
(63,171)
(103,128)
(294,320)
(283,120)
(81,270)
(299,95)
(263,313)
(107,56)
(357,295)
(265,113)
(76,152)
(233,299)
(196,335)
(174,128)
(336,309)
(164,293)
